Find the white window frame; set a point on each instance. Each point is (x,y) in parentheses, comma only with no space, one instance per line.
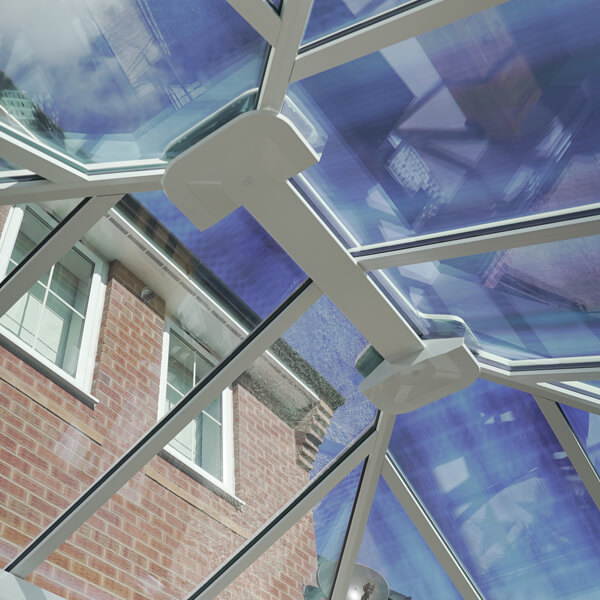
(227,451)
(86,360)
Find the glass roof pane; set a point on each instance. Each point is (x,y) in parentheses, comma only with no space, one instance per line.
(535,301)
(236,252)
(293,411)
(491,473)
(586,427)
(489,118)
(393,546)
(112,81)
(329,16)
(305,558)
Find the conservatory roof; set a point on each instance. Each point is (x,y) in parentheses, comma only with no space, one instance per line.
(352,174)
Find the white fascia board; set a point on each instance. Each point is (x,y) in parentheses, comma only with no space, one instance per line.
(576,399)
(15,588)
(362,507)
(381,34)
(162,433)
(283,55)
(261,16)
(44,164)
(475,240)
(50,251)
(429,531)
(571,445)
(94,185)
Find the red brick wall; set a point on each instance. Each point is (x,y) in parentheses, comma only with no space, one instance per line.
(164,532)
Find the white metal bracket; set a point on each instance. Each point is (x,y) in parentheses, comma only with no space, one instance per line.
(443,367)
(209,180)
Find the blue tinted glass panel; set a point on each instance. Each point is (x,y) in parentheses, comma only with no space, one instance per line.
(236,254)
(329,16)
(489,118)
(111,81)
(501,488)
(587,428)
(393,547)
(536,301)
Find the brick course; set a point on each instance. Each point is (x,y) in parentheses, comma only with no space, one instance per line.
(164,532)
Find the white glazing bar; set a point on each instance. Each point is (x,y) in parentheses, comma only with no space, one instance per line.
(25,156)
(372,38)
(52,249)
(428,529)
(15,588)
(94,185)
(283,521)
(569,441)
(261,16)
(362,507)
(294,16)
(164,431)
(476,240)
(547,390)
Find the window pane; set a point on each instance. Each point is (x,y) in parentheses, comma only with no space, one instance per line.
(72,279)
(211,453)
(586,427)
(181,364)
(214,410)
(490,471)
(23,317)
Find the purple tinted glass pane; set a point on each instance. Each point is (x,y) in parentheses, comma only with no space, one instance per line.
(586,427)
(493,117)
(536,301)
(112,81)
(329,16)
(236,254)
(488,468)
(393,547)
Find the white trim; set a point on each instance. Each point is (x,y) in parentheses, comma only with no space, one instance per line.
(260,16)
(429,531)
(227,449)
(372,38)
(95,302)
(431,249)
(15,192)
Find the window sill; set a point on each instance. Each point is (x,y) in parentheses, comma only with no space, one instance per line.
(47,372)
(195,473)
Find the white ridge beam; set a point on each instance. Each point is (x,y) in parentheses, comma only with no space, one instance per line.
(95,185)
(283,55)
(260,16)
(427,528)
(53,248)
(242,357)
(362,507)
(475,240)
(568,440)
(282,522)
(372,38)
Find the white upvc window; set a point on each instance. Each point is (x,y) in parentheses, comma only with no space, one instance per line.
(204,446)
(58,320)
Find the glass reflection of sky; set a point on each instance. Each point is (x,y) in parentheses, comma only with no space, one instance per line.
(329,16)
(110,80)
(536,301)
(238,250)
(586,427)
(493,117)
(491,473)
(393,547)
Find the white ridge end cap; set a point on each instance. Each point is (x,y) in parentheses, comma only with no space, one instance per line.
(443,367)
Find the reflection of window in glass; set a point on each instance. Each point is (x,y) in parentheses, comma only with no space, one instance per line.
(52,318)
(202,443)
